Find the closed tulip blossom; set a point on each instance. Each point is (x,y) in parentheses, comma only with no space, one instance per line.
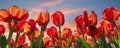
(43,18)
(58,18)
(111,14)
(79,21)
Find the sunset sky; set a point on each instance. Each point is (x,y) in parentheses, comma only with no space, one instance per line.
(70,8)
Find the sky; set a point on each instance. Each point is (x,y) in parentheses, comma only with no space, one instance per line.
(70,8)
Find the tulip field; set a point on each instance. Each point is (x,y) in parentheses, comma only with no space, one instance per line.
(86,35)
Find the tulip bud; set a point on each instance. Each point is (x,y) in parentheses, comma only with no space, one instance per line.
(58,18)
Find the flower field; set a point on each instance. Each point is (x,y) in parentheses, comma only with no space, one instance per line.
(87,34)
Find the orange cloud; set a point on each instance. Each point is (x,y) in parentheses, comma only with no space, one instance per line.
(51,2)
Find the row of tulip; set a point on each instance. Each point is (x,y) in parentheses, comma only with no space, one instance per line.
(87,34)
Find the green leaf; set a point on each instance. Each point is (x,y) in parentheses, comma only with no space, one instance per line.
(68,42)
(103,41)
(95,43)
(84,43)
(3,41)
(118,41)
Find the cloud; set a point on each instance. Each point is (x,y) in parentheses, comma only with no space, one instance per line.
(51,2)
(67,11)
(33,13)
(72,10)
(70,25)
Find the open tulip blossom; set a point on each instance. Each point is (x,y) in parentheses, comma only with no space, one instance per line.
(87,34)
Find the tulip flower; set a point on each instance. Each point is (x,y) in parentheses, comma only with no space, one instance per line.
(115,33)
(66,33)
(58,18)
(18,13)
(51,31)
(48,42)
(4,15)
(43,18)
(2,29)
(79,21)
(118,26)
(90,20)
(21,39)
(107,26)
(111,14)
(18,27)
(12,42)
(79,30)
(35,33)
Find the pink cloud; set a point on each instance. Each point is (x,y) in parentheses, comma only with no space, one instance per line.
(72,26)
(33,13)
(51,2)
(72,10)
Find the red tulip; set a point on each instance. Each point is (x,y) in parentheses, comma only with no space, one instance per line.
(79,21)
(91,31)
(79,30)
(21,39)
(43,18)
(32,24)
(4,15)
(115,33)
(35,33)
(2,29)
(64,43)
(90,20)
(98,35)
(111,14)
(58,18)
(66,33)
(48,42)
(18,13)
(51,31)
(18,27)
(119,26)
(107,26)
(28,26)
(12,42)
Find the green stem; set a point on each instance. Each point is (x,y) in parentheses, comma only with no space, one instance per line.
(60,39)
(82,33)
(40,37)
(32,43)
(11,33)
(16,39)
(95,43)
